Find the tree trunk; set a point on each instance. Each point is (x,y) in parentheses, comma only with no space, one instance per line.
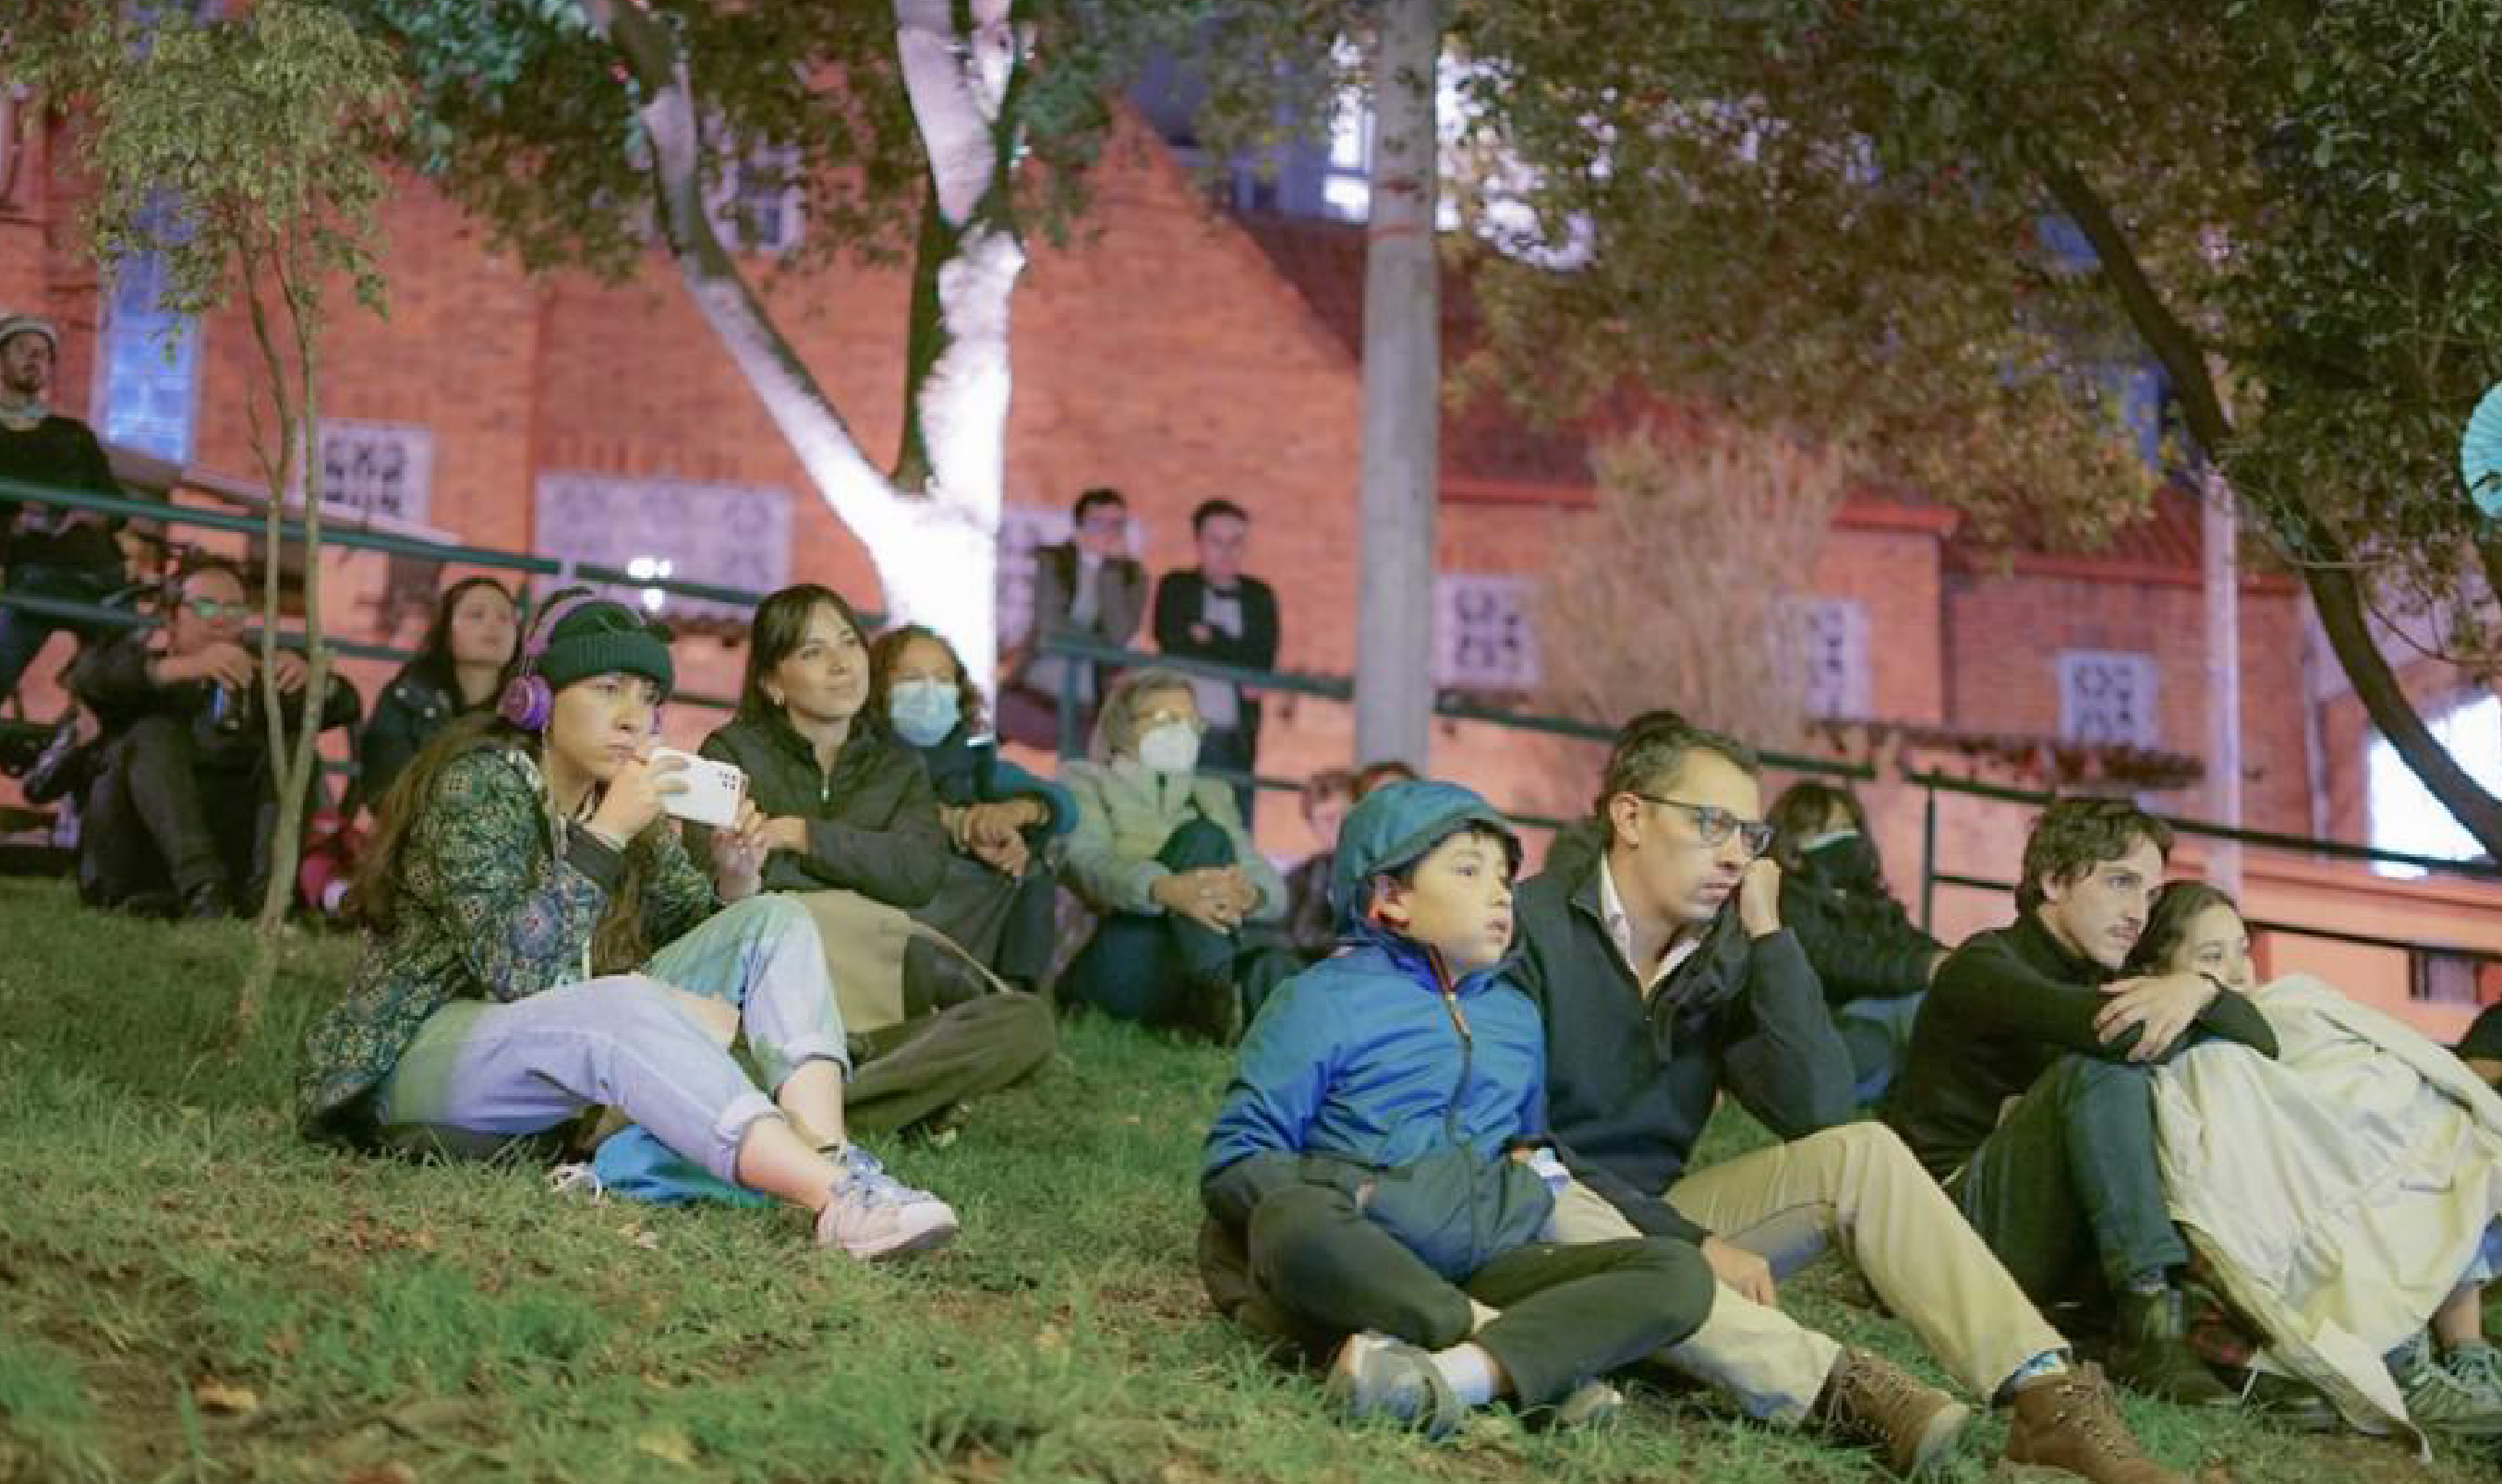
(2221,528)
(931,530)
(2320,553)
(293,758)
(1394,640)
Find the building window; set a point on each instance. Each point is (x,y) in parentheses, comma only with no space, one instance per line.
(2404,814)
(2440,978)
(2107,698)
(1483,639)
(147,369)
(726,535)
(1833,639)
(755,205)
(374,469)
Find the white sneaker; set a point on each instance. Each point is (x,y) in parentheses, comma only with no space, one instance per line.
(873,1215)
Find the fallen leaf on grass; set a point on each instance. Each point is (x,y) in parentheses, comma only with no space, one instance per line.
(668,1443)
(223,1401)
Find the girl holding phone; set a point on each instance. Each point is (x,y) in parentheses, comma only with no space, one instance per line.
(540,943)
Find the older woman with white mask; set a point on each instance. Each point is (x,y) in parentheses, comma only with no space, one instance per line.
(1162,856)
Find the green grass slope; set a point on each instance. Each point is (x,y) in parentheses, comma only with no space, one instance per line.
(188,1293)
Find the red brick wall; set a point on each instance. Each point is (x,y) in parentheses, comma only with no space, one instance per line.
(1159,353)
(2003,635)
(1895,576)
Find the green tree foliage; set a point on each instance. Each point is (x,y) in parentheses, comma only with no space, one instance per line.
(243,154)
(1840,216)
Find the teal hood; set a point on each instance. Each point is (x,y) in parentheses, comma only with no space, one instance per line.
(1395,826)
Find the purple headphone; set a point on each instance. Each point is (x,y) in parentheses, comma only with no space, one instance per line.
(526,700)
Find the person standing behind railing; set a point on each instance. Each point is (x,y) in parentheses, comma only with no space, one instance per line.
(64,555)
(1089,588)
(1214,611)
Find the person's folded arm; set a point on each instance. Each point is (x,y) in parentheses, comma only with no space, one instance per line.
(1985,986)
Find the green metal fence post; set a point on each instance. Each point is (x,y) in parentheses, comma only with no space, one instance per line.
(1070,744)
(1928,853)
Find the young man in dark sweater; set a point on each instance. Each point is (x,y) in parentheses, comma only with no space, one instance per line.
(1658,958)
(2027,1089)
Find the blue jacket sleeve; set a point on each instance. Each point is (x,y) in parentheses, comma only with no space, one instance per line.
(1283,1072)
(1011,782)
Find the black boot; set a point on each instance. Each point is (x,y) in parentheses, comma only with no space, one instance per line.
(2151,1355)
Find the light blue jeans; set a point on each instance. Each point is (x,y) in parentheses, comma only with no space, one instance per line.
(622,1041)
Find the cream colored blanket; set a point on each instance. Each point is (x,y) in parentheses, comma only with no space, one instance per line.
(2340,1191)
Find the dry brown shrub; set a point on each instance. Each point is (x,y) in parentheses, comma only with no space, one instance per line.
(1677,588)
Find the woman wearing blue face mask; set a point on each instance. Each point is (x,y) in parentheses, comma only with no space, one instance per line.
(997,896)
(1876,964)
(1160,853)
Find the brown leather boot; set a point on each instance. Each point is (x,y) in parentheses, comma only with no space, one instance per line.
(1871,1403)
(2071,1421)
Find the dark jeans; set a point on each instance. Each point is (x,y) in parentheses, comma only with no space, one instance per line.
(1569,1313)
(22,633)
(1153,968)
(1878,1034)
(155,820)
(2069,1176)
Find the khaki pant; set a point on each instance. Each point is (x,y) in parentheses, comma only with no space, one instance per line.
(1858,1188)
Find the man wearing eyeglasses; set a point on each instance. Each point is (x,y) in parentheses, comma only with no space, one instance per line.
(178,818)
(1657,955)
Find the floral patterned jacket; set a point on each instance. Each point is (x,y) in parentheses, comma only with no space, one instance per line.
(491,907)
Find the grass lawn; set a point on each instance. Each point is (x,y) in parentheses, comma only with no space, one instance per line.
(190,1294)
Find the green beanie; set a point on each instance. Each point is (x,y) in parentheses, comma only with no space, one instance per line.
(604,637)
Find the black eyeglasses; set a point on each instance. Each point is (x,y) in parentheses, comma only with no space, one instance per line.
(1715,824)
(210,610)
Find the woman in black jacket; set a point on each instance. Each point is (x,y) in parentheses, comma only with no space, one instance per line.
(1874,962)
(467,644)
(849,807)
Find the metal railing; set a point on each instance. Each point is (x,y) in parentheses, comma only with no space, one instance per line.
(1077,649)
(1933,876)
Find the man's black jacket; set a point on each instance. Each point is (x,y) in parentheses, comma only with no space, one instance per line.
(1630,1084)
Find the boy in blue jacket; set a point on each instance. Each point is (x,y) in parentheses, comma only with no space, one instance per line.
(1375,1171)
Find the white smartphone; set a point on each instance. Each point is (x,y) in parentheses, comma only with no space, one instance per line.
(712,793)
